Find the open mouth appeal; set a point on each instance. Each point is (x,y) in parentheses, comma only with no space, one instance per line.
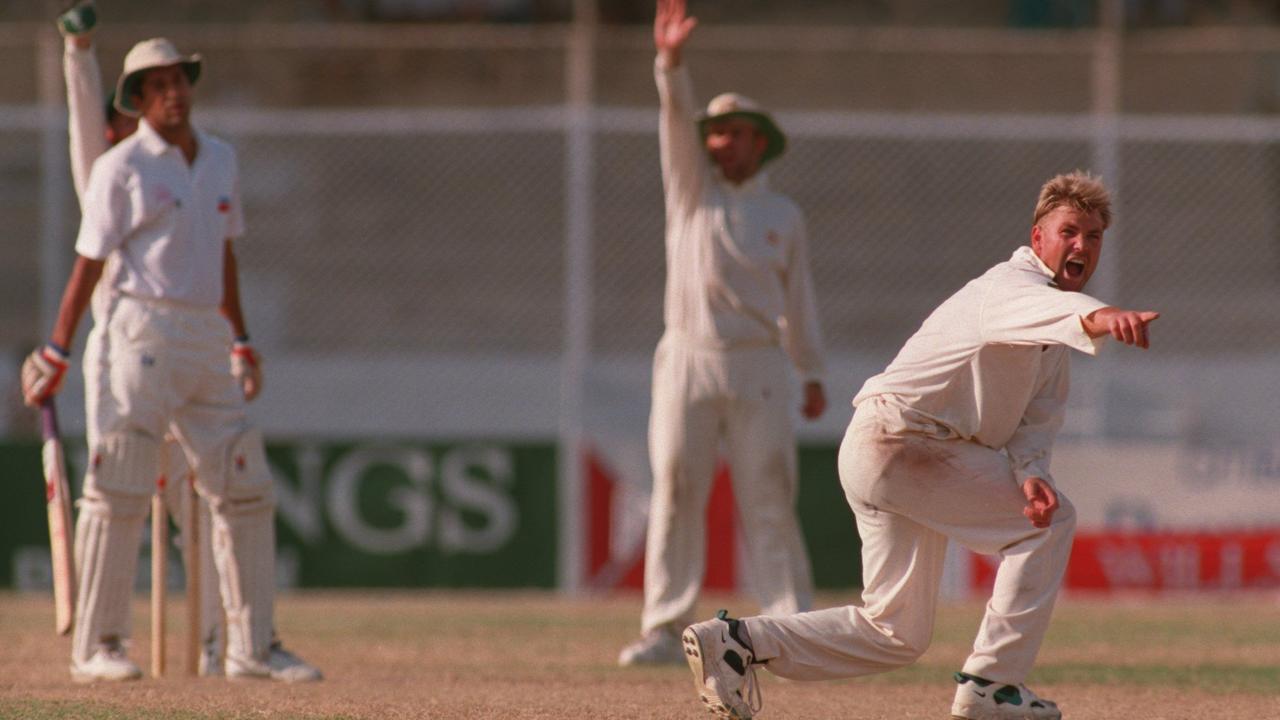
(1073,269)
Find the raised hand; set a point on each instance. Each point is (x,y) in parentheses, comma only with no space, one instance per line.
(671,29)
(1127,326)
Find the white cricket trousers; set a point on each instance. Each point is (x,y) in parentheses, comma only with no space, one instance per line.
(152,367)
(910,493)
(699,397)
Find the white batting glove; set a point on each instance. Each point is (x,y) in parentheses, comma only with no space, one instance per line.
(78,20)
(42,374)
(246,367)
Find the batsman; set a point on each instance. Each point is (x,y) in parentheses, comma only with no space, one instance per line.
(94,125)
(739,313)
(169,353)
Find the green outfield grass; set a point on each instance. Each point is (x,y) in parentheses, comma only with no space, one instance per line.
(536,655)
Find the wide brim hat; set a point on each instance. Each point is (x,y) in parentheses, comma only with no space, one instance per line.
(730,105)
(146,55)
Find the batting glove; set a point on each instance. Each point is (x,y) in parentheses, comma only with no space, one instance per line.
(246,367)
(78,19)
(42,374)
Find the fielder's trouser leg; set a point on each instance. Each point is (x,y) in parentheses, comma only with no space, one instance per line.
(762,459)
(116,498)
(683,438)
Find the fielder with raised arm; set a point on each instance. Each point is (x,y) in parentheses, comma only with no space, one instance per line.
(739,303)
(166,203)
(953,441)
(94,125)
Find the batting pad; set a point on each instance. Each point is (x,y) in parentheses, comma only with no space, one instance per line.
(108,533)
(244,551)
(125,463)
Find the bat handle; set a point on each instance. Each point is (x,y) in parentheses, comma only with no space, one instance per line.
(48,420)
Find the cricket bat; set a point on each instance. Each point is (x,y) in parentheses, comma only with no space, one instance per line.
(57,497)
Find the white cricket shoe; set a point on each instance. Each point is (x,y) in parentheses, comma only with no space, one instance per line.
(659,646)
(280,665)
(109,663)
(981,699)
(723,668)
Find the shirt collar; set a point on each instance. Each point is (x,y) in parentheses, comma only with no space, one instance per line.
(156,145)
(1027,257)
(757,183)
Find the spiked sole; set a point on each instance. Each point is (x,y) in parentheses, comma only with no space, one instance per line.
(694,655)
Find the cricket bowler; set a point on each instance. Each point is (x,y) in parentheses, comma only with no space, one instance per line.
(952,441)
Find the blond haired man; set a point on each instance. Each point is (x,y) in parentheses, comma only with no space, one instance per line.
(952,441)
(739,308)
(165,205)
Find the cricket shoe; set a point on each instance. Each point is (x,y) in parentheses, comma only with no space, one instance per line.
(659,646)
(723,666)
(280,664)
(981,699)
(109,663)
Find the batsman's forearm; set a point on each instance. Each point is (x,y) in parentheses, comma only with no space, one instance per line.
(231,292)
(75,299)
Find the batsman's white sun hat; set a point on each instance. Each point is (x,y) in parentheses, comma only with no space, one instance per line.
(727,105)
(148,54)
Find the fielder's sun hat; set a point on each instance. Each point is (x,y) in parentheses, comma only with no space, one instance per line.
(729,105)
(148,54)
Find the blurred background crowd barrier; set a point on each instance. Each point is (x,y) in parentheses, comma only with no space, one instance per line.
(455,244)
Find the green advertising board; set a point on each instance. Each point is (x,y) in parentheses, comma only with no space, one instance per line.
(358,514)
(411,514)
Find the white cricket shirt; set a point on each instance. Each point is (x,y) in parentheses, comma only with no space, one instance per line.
(737,256)
(167,220)
(990,364)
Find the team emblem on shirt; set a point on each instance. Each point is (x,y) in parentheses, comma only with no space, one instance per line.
(773,238)
(224,204)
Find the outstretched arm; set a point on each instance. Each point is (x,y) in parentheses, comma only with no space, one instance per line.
(86,120)
(1127,326)
(682,154)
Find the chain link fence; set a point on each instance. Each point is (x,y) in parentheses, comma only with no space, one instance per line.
(410,199)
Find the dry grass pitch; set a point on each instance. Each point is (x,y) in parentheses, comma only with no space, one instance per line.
(455,655)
